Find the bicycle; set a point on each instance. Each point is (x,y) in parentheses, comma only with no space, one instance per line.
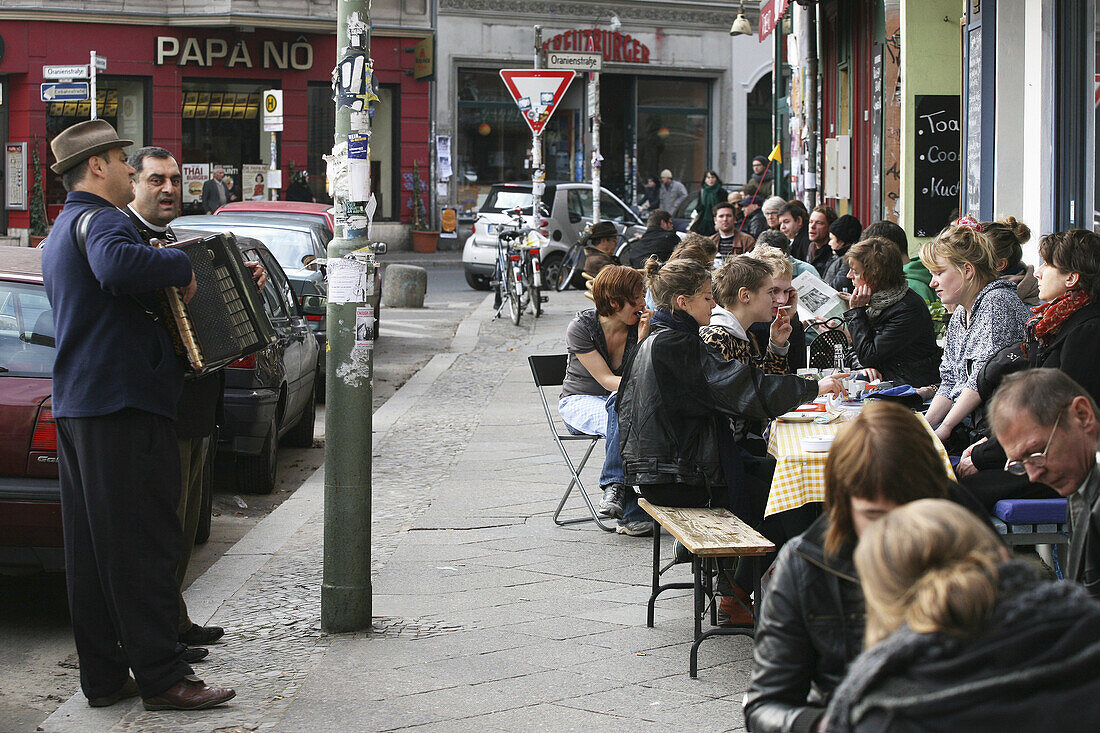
(570,268)
(518,273)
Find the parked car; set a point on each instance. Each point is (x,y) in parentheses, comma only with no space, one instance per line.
(570,211)
(270,395)
(30,496)
(294,244)
(684,214)
(301,210)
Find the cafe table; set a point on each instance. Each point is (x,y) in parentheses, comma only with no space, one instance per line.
(799,477)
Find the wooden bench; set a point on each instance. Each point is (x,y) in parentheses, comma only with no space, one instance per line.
(708,534)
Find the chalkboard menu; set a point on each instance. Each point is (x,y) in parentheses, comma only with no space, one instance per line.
(936,168)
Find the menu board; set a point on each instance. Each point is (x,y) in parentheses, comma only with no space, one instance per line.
(936,168)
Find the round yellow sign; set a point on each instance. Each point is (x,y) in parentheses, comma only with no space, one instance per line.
(270,102)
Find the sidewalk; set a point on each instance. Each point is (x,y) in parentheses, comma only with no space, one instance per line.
(487,617)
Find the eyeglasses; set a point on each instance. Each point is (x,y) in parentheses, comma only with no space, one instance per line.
(1037,460)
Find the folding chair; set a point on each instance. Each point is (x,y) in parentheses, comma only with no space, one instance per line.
(549,371)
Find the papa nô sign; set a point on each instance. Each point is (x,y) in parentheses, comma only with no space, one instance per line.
(208,52)
(615,46)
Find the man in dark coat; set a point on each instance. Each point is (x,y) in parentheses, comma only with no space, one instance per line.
(116,383)
(755,222)
(214,192)
(792,222)
(1048,426)
(659,239)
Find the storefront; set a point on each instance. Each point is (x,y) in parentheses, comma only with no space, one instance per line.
(197,91)
(674,93)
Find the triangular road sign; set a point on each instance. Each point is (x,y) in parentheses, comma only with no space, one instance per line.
(537,93)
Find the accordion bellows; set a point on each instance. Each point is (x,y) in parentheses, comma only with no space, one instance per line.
(225,320)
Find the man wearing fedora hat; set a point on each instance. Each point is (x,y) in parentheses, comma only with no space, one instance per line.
(116,382)
(599,247)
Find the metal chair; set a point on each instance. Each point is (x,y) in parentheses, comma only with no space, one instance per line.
(549,371)
(822,349)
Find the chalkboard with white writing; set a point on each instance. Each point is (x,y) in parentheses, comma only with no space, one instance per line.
(936,164)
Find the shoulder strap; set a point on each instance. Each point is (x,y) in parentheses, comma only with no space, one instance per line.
(81,231)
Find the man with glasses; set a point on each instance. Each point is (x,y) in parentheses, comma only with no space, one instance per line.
(1048,426)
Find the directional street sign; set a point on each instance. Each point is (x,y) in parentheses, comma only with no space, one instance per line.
(65,91)
(576,60)
(100,63)
(70,71)
(537,93)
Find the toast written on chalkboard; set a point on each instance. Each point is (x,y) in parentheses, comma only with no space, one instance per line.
(936,169)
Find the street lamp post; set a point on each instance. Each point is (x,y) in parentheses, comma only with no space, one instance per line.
(346,584)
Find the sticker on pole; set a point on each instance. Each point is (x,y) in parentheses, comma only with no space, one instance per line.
(537,93)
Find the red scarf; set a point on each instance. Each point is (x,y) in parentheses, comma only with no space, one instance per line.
(1049,317)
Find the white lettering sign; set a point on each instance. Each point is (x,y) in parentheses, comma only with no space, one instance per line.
(216,51)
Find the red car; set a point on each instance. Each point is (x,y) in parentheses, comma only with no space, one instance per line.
(30,500)
(297,209)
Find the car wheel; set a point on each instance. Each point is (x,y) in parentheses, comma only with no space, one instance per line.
(256,474)
(551,270)
(202,534)
(301,435)
(477,282)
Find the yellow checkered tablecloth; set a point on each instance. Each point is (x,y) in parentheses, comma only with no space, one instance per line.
(799,475)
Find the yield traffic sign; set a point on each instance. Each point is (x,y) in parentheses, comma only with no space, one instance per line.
(537,93)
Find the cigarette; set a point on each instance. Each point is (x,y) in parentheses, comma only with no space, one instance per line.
(784,307)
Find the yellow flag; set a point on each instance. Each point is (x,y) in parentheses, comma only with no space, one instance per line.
(776,154)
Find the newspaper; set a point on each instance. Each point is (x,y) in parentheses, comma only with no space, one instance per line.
(816,298)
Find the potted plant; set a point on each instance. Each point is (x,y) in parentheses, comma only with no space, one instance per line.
(39,221)
(423,239)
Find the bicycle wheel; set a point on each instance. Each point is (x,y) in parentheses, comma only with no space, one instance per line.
(532,288)
(512,293)
(571,268)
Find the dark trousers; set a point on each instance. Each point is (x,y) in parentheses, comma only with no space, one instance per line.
(120,482)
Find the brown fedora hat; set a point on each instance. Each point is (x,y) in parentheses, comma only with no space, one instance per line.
(83,140)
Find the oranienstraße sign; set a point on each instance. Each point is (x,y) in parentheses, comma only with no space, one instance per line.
(576,60)
(69,71)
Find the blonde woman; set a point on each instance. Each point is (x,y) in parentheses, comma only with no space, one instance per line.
(960,637)
(989,316)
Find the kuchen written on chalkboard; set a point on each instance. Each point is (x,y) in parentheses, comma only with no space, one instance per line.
(936,169)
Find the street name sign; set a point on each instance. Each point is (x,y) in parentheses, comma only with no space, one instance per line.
(65,91)
(576,60)
(537,92)
(70,71)
(100,62)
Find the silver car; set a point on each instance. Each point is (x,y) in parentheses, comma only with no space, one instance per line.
(570,206)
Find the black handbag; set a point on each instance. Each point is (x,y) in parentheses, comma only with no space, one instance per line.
(1007,361)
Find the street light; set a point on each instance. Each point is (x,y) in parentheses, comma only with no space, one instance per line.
(741,25)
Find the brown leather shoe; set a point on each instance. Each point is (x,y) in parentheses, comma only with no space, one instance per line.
(128,689)
(190,693)
(735,610)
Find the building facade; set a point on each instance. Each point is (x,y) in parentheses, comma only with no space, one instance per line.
(929,109)
(188,76)
(676,92)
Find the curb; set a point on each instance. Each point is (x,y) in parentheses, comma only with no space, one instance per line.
(250,553)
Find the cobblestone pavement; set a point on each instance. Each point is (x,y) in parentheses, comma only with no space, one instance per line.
(486,615)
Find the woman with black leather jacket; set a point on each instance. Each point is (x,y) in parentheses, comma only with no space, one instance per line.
(891,328)
(811,623)
(676,397)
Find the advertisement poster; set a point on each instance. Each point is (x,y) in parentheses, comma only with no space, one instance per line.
(194,175)
(254,182)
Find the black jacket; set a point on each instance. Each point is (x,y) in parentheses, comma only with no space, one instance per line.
(836,274)
(900,343)
(672,397)
(756,224)
(823,258)
(1075,350)
(1035,667)
(655,241)
(800,247)
(809,630)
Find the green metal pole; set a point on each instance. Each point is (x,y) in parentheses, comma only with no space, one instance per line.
(346,582)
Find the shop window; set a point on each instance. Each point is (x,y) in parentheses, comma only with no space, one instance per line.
(119,101)
(222,126)
(674,129)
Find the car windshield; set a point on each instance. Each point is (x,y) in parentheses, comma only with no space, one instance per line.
(505,199)
(26,331)
(288,245)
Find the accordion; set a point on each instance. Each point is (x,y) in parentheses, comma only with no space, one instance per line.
(225,320)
